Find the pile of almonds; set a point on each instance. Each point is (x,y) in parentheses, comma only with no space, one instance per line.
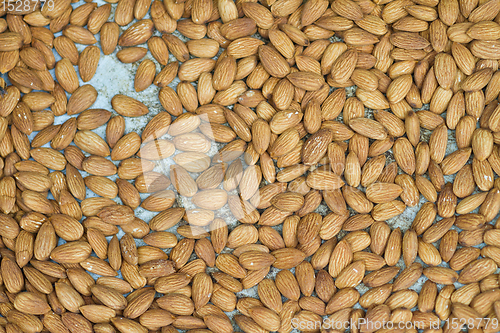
(290,135)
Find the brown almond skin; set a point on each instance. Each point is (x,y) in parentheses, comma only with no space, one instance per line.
(265,101)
